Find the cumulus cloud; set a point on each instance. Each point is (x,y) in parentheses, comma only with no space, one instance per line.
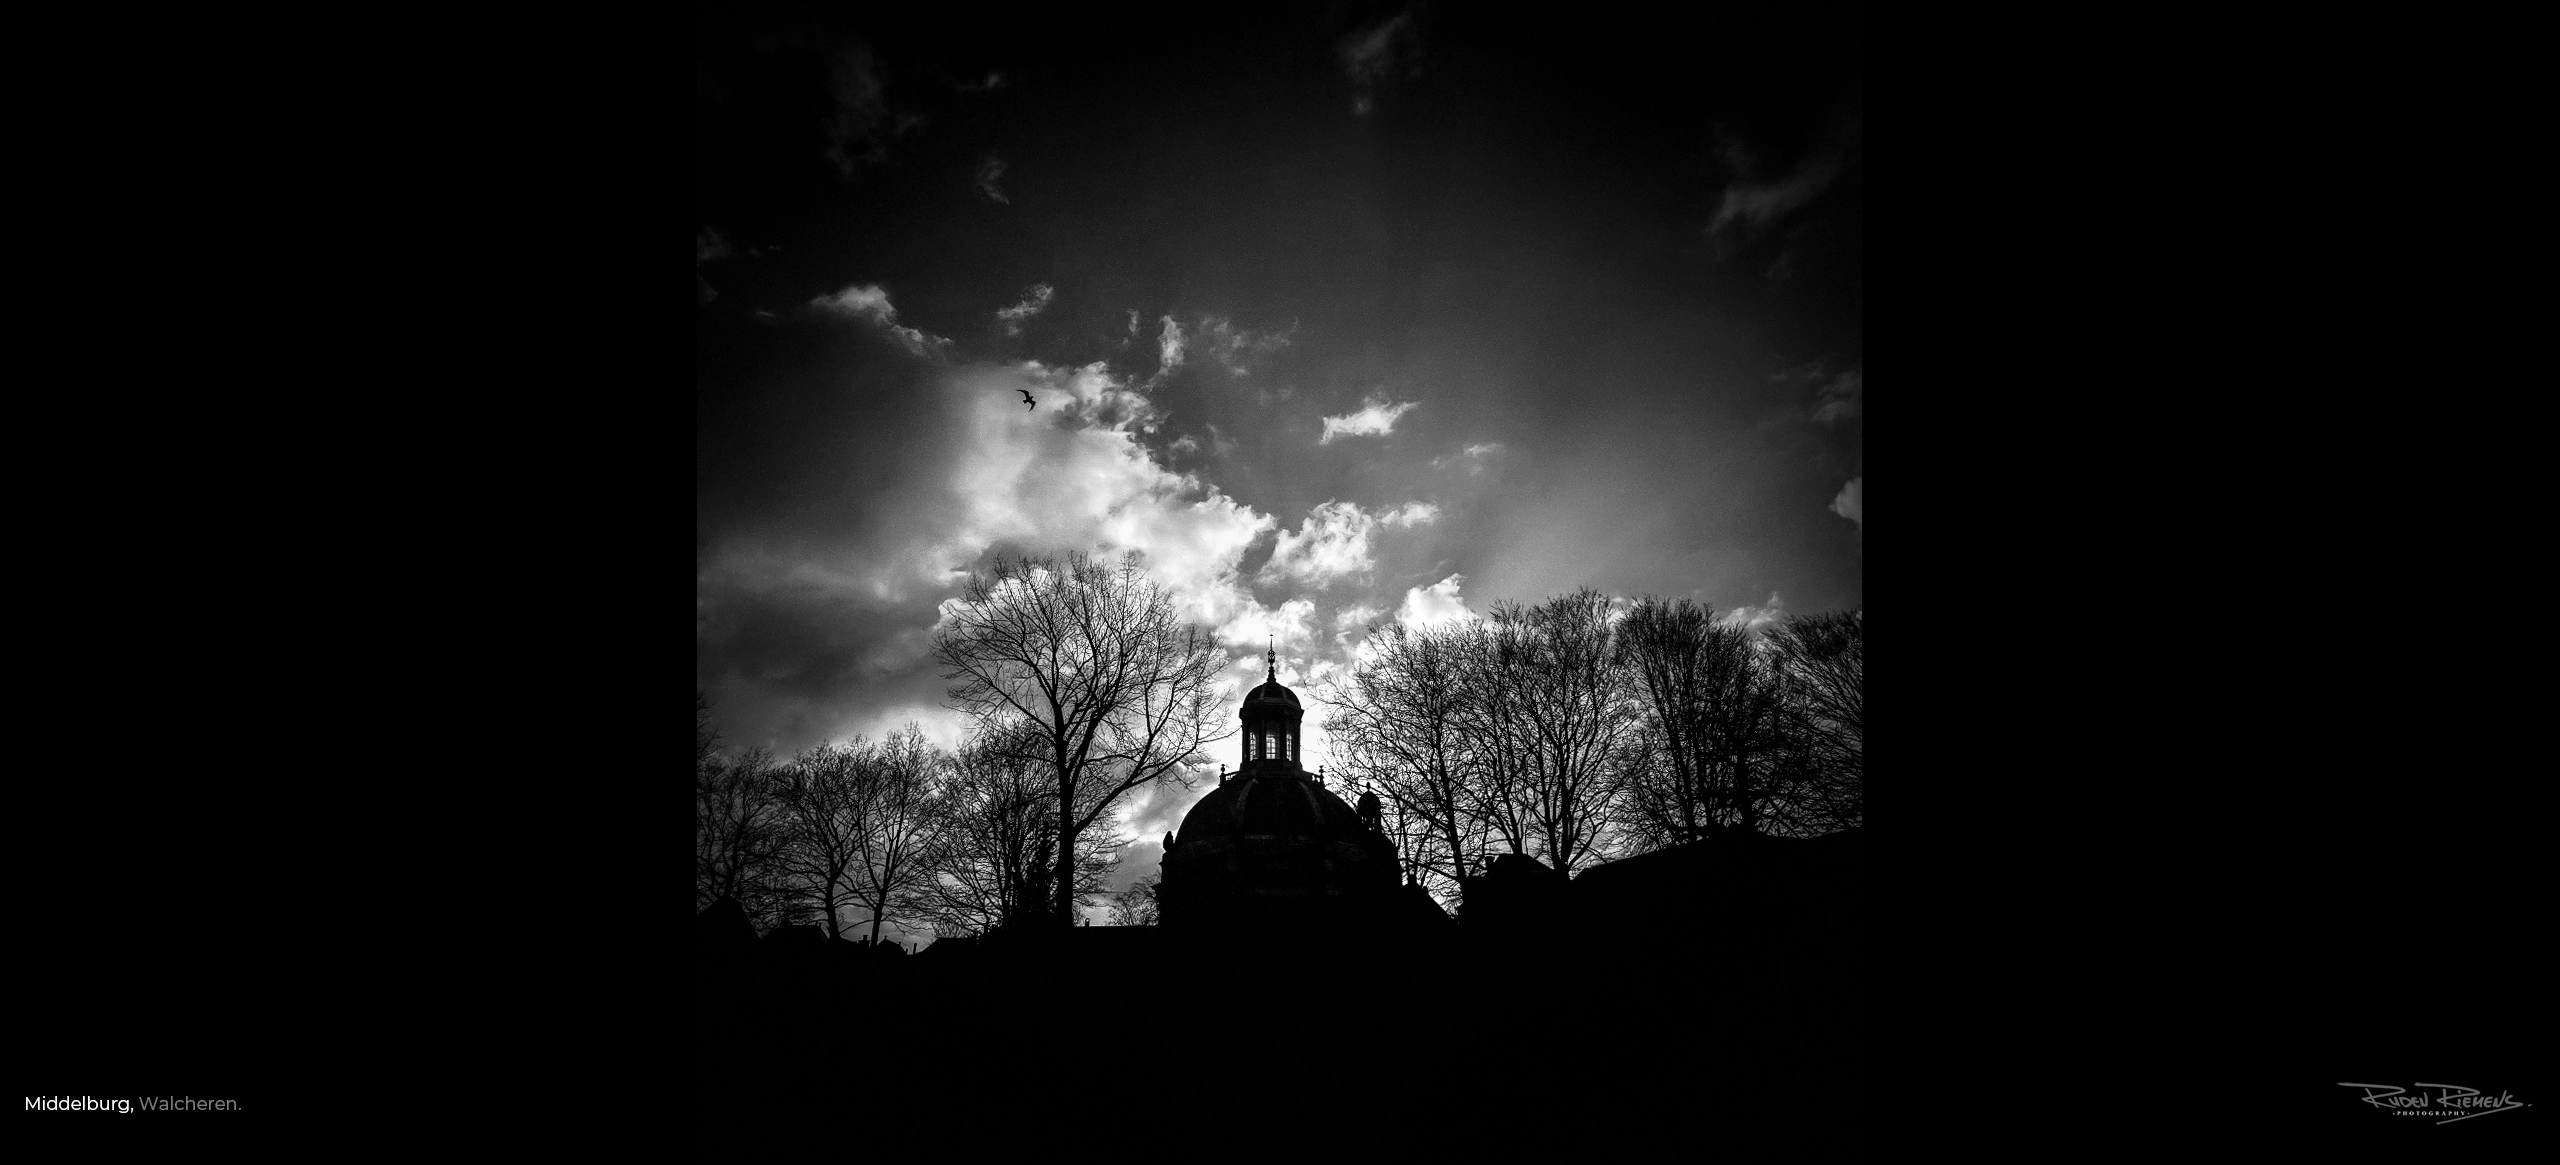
(1851,503)
(1083,481)
(1435,604)
(862,301)
(991,168)
(1374,419)
(1288,628)
(1372,55)
(869,303)
(1751,618)
(1410,514)
(1334,542)
(1032,303)
(806,619)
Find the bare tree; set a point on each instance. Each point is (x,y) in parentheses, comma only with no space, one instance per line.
(1750,733)
(1699,679)
(739,825)
(1399,727)
(1494,661)
(1820,665)
(991,817)
(889,874)
(826,807)
(706,731)
(1567,724)
(1087,670)
(993,856)
(1136,906)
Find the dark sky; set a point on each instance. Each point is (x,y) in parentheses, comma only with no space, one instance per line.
(1340,314)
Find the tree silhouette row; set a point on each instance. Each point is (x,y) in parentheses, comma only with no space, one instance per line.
(1574,731)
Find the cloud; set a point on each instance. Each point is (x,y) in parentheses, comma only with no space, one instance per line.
(1232,346)
(991,168)
(1841,399)
(1334,542)
(1168,348)
(1375,419)
(1434,605)
(1851,503)
(1750,205)
(815,624)
(1032,303)
(1473,456)
(868,302)
(1287,628)
(1410,514)
(1143,857)
(1751,618)
(1372,55)
(861,301)
(1352,623)
(1082,481)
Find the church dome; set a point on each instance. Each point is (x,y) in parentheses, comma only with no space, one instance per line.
(1269,845)
(1271,690)
(1274,806)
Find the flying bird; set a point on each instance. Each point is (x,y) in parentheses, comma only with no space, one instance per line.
(1028,400)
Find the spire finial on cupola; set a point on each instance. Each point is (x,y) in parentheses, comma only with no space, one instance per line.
(1271,661)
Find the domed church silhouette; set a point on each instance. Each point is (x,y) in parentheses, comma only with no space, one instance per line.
(1271,846)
